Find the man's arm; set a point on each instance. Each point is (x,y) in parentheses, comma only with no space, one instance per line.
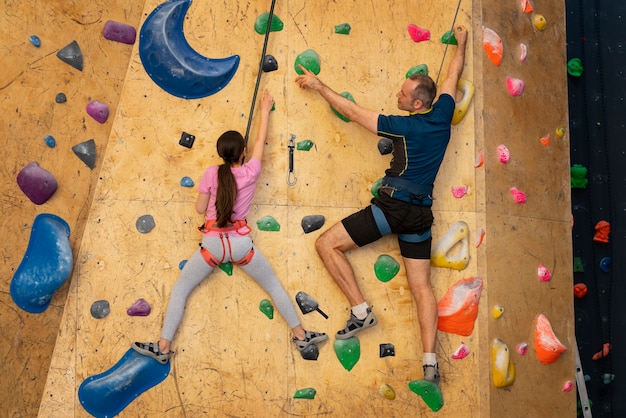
(364,117)
(455,69)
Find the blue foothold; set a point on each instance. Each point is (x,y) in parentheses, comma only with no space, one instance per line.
(182,264)
(50,141)
(186,182)
(605,264)
(34,39)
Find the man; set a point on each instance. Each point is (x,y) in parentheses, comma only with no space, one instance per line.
(405,198)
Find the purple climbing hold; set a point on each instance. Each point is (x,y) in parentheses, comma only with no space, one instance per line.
(37,184)
(119,32)
(98,111)
(139,308)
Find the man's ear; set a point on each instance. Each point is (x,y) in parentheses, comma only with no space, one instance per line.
(417,104)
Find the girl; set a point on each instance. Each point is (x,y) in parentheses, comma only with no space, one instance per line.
(225,195)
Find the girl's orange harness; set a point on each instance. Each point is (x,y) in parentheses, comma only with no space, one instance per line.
(240,227)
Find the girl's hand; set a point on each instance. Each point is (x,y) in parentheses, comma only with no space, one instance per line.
(267,102)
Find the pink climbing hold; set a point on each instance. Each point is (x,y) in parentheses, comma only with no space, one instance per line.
(418,34)
(543,274)
(139,308)
(37,184)
(461,352)
(518,196)
(568,386)
(522,348)
(515,86)
(119,32)
(459,191)
(98,111)
(504,155)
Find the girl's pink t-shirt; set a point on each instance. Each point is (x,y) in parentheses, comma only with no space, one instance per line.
(245,177)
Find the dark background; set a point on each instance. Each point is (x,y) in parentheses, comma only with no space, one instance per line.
(596,34)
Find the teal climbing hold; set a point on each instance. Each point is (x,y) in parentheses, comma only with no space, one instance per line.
(429,392)
(267,308)
(578,265)
(348,352)
(386,268)
(227,268)
(342,117)
(306,393)
(260,25)
(343,29)
(376,187)
(418,69)
(309,60)
(268,223)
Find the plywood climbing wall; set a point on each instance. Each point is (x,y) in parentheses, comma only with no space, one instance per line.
(231,360)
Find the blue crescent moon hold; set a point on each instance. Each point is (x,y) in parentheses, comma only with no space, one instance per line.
(172,63)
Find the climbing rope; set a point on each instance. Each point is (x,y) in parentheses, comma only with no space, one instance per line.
(258,77)
(445,51)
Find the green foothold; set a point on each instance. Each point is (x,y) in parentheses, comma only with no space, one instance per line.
(449,38)
(418,69)
(268,223)
(575,67)
(386,268)
(306,393)
(342,117)
(578,176)
(376,187)
(429,392)
(578,265)
(227,268)
(305,145)
(348,352)
(343,29)
(267,308)
(260,25)
(309,60)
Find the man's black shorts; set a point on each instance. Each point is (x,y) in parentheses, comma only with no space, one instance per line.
(403,218)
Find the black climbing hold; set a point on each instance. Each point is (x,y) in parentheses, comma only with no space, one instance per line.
(86,151)
(72,55)
(100,309)
(387,350)
(269,64)
(310,353)
(186,140)
(308,304)
(61,98)
(312,223)
(145,224)
(385,146)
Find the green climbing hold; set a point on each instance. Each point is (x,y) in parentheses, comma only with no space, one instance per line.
(448,38)
(342,117)
(429,392)
(578,265)
(376,187)
(348,352)
(575,67)
(343,29)
(305,145)
(227,268)
(309,60)
(306,393)
(578,176)
(418,69)
(267,308)
(386,268)
(260,25)
(268,223)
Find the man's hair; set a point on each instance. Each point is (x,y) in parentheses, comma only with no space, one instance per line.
(426,89)
(230,145)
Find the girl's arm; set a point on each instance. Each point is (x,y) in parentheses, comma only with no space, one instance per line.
(202,203)
(267,102)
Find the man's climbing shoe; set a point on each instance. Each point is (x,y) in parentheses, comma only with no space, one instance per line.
(355,325)
(431,373)
(312,337)
(152,350)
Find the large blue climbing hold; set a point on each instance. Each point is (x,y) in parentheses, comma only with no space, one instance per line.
(172,63)
(108,393)
(46,265)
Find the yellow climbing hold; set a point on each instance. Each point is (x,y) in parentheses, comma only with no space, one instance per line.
(502,368)
(539,22)
(560,131)
(458,234)
(387,392)
(497,312)
(467,88)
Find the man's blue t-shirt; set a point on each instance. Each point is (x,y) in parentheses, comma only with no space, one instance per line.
(419,141)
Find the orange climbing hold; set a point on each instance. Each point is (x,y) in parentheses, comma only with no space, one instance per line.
(606,349)
(603,228)
(458,308)
(547,345)
(526,6)
(492,44)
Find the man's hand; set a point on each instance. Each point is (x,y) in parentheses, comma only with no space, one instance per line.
(460,33)
(308,80)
